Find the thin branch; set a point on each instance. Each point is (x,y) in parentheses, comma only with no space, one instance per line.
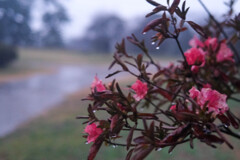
(119,144)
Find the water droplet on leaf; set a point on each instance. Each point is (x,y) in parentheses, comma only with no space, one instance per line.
(159,149)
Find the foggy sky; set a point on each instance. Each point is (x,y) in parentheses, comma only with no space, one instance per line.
(82,11)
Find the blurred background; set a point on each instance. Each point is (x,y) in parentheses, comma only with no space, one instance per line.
(50,51)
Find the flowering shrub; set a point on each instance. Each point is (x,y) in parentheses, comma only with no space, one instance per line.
(184,102)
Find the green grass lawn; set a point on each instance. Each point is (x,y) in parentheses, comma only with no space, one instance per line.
(57,135)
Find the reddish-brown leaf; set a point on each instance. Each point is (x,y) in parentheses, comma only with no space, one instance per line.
(232,120)
(129,138)
(129,155)
(95,147)
(118,60)
(159,73)
(211,139)
(152,24)
(180,132)
(141,140)
(114,121)
(197,28)
(143,152)
(153,2)
(224,119)
(174,6)
(139,60)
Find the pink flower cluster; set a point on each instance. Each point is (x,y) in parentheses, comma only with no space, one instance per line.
(224,53)
(214,101)
(98,85)
(140,89)
(93,132)
(196,56)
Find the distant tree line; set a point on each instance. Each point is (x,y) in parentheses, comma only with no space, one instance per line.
(16,18)
(16,30)
(106,30)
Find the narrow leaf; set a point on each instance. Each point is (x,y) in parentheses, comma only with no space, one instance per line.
(232,120)
(95,148)
(197,28)
(174,6)
(129,138)
(128,157)
(143,152)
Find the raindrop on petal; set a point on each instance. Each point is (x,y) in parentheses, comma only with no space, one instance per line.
(144,32)
(153,43)
(157,47)
(94,111)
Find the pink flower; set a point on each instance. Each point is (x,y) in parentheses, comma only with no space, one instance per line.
(194,93)
(216,102)
(141,90)
(98,85)
(195,56)
(173,108)
(195,69)
(211,42)
(93,132)
(195,42)
(224,53)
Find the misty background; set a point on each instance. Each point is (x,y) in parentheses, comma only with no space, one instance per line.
(50,52)
(86,26)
